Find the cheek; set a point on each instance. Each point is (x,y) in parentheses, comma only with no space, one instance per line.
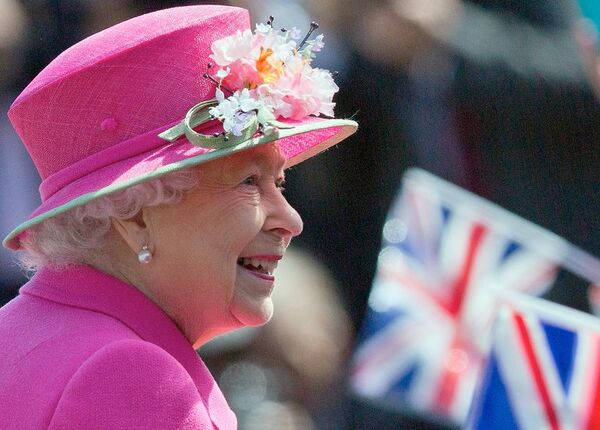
(239,226)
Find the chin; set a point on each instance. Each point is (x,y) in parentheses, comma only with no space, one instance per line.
(254,316)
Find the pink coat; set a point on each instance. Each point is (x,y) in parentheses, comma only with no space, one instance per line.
(80,349)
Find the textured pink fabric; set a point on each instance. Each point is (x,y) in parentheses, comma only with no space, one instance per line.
(90,119)
(145,154)
(81,349)
(142,74)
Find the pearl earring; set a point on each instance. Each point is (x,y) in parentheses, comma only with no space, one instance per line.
(144,256)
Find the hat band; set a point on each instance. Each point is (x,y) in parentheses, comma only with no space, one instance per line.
(196,117)
(113,154)
(200,114)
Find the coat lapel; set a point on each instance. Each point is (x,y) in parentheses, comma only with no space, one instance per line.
(88,288)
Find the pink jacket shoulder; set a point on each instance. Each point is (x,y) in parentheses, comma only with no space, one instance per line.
(131,384)
(81,349)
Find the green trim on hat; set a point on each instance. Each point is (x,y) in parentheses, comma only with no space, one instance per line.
(348,128)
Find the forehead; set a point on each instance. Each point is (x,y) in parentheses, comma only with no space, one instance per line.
(266,157)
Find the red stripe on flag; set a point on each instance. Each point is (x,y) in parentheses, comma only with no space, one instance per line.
(459,287)
(594,413)
(416,288)
(447,391)
(452,374)
(449,379)
(537,371)
(390,349)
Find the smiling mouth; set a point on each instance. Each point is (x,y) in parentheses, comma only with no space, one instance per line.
(266,267)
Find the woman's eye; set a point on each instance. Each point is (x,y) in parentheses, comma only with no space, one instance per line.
(251,180)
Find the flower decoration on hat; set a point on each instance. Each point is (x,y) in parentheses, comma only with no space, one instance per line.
(260,76)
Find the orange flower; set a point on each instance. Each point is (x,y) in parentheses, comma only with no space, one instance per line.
(266,70)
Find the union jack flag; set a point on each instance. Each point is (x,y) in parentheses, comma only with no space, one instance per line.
(427,329)
(543,372)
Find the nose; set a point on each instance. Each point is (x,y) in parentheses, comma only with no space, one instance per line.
(283,219)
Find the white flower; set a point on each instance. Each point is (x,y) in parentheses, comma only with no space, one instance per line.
(318,44)
(324,88)
(215,111)
(295,33)
(280,45)
(264,114)
(283,50)
(263,28)
(226,111)
(245,101)
(222,73)
(219,95)
(236,110)
(240,120)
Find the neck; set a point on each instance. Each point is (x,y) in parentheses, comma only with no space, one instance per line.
(119,261)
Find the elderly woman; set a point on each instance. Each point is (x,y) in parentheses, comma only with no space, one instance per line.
(162,144)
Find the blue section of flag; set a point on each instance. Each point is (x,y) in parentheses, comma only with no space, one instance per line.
(563,346)
(446,218)
(406,247)
(492,411)
(378,321)
(446,212)
(511,249)
(404,383)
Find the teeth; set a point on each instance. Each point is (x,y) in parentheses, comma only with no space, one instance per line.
(265,266)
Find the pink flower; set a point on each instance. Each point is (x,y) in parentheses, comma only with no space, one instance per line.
(270,77)
(242,74)
(298,95)
(229,49)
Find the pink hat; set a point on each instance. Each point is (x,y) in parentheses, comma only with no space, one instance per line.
(91,119)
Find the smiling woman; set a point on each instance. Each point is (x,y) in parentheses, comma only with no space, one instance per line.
(162,217)
(235,225)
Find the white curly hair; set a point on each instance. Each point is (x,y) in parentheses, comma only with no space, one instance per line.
(80,235)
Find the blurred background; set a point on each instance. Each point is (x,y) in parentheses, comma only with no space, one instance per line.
(487,94)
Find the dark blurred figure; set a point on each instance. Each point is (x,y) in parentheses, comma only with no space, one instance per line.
(529,121)
(18,188)
(488,94)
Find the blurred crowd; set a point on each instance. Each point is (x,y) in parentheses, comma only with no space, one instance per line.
(488,94)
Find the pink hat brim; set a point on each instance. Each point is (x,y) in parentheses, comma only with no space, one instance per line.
(304,140)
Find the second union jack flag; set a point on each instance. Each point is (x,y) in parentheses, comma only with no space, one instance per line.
(543,372)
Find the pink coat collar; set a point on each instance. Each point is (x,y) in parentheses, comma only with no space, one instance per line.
(88,288)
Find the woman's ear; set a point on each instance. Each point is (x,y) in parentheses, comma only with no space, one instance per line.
(133,231)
